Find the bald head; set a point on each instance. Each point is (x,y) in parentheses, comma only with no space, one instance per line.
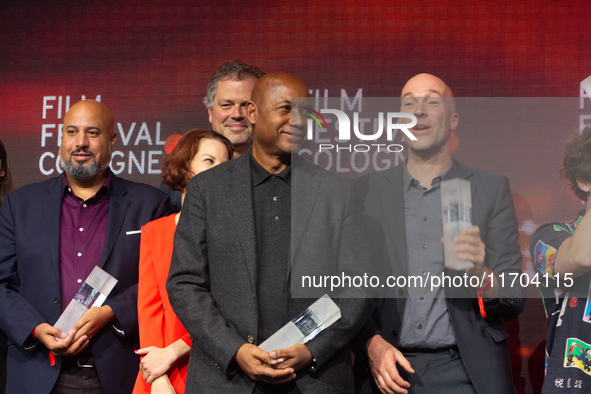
(428,85)
(278,127)
(93,108)
(421,84)
(432,102)
(88,139)
(271,82)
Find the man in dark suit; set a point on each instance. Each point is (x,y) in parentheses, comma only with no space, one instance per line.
(229,280)
(433,343)
(52,234)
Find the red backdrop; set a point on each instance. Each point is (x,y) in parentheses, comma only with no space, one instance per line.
(149,61)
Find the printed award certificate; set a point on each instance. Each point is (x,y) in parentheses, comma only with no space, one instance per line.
(94,292)
(317,317)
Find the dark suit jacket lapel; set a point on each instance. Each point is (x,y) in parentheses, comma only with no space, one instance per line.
(240,201)
(52,209)
(391,192)
(304,189)
(118,205)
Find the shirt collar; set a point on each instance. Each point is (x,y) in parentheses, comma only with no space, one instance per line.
(105,189)
(409,181)
(259,174)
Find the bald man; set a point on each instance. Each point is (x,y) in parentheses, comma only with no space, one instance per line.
(52,235)
(229,280)
(427,342)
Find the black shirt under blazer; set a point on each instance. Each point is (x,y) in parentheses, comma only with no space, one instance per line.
(212,281)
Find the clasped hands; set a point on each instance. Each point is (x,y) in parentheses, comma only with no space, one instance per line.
(156,362)
(154,365)
(79,336)
(278,366)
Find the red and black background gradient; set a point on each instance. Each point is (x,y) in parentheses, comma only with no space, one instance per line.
(149,61)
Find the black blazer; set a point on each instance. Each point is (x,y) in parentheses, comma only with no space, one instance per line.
(212,281)
(481,341)
(30,290)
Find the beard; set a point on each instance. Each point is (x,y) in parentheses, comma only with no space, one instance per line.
(80,171)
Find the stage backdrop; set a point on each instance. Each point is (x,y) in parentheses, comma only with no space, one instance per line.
(149,61)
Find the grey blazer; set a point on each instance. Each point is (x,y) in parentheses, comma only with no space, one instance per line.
(212,281)
(482,342)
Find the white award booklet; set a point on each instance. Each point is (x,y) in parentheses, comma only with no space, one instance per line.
(93,292)
(317,317)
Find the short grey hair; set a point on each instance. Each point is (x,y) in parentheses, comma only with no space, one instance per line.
(235,69)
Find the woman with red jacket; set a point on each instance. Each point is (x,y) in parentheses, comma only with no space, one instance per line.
(165,342)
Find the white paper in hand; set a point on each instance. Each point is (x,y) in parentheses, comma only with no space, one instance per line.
(93,292)
(319,316)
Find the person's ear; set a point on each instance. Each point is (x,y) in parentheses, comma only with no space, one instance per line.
(113,140)
(455,120)
(210,112)
(584,186)
(251,112)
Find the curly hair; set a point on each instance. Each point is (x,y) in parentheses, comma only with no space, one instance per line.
(235,69)
(6,185)
(176,167)
(577,163)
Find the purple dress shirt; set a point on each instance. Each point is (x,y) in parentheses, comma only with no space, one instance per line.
(83,228)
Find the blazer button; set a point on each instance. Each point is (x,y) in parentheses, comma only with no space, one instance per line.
(250,339)
(394,334)
(56,300)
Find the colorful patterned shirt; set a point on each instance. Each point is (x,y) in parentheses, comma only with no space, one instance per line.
(568,306)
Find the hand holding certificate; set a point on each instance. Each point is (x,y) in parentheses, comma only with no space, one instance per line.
(57,342)
(92,293)
(297,357)
(80,320)
(317,317)
(278,358)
